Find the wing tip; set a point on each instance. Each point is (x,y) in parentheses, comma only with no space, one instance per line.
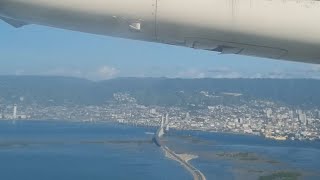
(13,22)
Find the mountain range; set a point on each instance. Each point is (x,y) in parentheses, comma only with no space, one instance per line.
(156,91)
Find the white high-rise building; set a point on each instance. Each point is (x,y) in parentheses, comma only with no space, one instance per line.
(167,122)
(167,119)
(153,111)
(303,118)
(187,116)
(291,115)
(269,113)
(240,120)
(162,121)
(14,111)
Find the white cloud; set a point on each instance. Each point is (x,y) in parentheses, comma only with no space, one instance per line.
(219,72)
(64,72)
(223,72)
(191,73)
(101,73)
(107,72)
(226,72)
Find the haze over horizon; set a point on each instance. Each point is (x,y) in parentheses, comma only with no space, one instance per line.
(161,77)
(37,50)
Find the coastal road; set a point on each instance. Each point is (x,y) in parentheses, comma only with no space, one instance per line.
(197,174)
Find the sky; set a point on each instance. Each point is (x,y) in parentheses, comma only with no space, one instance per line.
(39,50)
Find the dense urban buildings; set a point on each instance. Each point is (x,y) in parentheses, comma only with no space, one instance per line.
(257,117)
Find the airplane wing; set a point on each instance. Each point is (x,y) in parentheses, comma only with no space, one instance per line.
(13,22)
(286,30)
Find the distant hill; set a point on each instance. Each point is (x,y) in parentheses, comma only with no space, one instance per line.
(155,91)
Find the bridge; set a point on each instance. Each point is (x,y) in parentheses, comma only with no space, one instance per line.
(181,158)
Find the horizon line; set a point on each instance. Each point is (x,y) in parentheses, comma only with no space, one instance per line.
(164,77)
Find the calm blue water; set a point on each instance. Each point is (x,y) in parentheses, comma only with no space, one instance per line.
(61,150)
(69,150)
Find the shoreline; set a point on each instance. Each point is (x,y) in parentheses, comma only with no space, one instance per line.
(115,122)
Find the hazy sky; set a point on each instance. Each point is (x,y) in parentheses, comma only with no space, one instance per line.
(37,50)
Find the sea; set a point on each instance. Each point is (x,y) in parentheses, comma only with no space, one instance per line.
(64,150)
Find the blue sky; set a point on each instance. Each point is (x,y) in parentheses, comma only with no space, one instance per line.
(38,50)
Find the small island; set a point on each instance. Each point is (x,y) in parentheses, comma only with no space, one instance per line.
(245,156)
(285,175)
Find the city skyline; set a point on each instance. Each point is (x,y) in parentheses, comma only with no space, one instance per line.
(256,117)
(262,107)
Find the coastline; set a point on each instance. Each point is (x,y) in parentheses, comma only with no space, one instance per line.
(115,122)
